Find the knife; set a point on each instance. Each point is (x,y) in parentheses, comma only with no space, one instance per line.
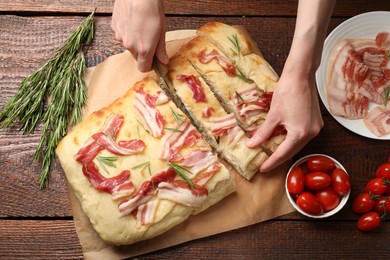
(161,71)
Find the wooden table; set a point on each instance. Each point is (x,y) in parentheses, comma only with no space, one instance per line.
(37,223)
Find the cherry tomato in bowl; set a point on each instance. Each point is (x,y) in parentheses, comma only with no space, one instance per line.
(323,194)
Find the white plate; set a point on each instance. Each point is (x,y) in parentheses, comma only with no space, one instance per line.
(363,26)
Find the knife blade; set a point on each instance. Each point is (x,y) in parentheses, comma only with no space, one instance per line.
(161,72)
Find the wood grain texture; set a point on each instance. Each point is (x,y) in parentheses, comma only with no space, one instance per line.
(194,8)
(36,224)
(27,42)
(41,239)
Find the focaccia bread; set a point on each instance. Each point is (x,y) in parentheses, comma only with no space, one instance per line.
(204,79)
(235,92)
(220,128)
(138,167)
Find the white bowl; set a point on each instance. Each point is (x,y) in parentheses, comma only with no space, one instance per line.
(343,199)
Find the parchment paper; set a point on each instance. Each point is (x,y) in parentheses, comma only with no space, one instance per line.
(261,199)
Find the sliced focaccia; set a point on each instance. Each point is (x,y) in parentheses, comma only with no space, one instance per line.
(220,128)
(236,93)
(239,47)
(139,168)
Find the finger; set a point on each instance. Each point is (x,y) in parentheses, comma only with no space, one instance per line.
(286,150)
(144,61)
(262,133)
(161,52)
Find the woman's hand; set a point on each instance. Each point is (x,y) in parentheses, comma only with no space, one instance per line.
(295,106)
(295,101)
(140,26)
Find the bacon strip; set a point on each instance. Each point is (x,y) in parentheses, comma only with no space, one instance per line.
(91,149)
(222,61)
(101,183)
(220,125)
(146,191)
(123,190)
(359,75)
(195,86)
(172,142)
(250,103)
(199,161)
(146,212)
(378,120)
(203,178)
(383,40)
(342,90)
(145,105)
(124,147)
(161,98)
(180,192)
(234,135)
(207,112)
(167,153)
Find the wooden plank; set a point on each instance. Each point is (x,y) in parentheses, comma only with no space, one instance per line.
(172,7)
(39,239)
(44,239)
(195,8)
(27,42)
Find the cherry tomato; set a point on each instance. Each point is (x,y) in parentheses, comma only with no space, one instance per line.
(383,171)
(308,203)
(382,205)
(320,163)
(369,221)
(317,180)
(296,181)
(340,181)
(328,198)
(376,186)
(363,203)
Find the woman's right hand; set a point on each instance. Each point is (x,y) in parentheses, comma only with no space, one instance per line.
(140,26)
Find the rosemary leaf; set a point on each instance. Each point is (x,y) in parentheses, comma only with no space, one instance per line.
(178,118)
(178,169)
(143,166)
(108,160)
(173,129)
(139,122)
(239,96)
(234,40)
(243,77)
(58,82)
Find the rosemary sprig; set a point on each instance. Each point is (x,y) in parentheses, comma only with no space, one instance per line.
(139,122)
(61,79)
(107,160)
(234,40)
(143,166)
(173,129)
(178,118)
(239,96)
(243,77)
(386,95)
(179,170)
